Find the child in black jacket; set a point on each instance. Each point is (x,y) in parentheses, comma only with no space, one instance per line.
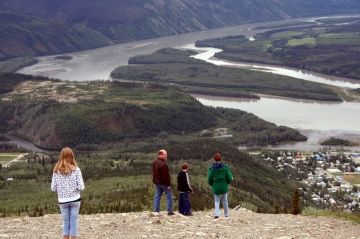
(184,190)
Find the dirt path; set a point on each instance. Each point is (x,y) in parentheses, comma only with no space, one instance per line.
(13,161)
(242,224)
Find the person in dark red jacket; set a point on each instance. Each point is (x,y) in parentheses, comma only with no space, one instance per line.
(161,179)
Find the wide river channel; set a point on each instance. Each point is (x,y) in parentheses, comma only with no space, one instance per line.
(318,120)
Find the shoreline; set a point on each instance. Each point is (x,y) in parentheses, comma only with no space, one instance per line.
(244,99)
(26,144)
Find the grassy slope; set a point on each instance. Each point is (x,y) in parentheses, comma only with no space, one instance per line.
(327,49)
(189,73)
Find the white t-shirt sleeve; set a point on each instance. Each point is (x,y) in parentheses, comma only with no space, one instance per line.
(79,180)
(54,183)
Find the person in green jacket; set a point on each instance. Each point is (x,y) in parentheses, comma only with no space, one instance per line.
(219,177)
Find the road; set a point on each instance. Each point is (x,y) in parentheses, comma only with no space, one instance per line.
(6,165)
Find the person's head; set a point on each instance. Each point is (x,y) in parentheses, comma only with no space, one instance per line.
(185,167)
(162,154)
(66,162)
(217,157)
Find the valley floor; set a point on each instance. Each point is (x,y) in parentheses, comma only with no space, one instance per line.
(242,224)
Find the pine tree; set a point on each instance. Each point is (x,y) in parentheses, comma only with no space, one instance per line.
(296,207)
(41,211)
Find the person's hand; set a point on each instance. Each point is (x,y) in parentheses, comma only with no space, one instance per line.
(169,187)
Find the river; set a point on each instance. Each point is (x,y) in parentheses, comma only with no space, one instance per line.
(25,144)
(98,63)
(317,120)
(207,54)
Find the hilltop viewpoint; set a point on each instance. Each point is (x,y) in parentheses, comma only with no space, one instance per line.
(242,224)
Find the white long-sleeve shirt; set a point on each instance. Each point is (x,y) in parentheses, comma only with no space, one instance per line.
(68,186)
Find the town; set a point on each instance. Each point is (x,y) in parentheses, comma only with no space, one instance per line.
(327,179)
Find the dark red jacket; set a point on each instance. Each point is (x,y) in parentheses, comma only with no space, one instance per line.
(161,174)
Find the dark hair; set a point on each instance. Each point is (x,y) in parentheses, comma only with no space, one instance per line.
(184,166)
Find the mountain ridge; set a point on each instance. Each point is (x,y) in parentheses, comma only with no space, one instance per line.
(89,24)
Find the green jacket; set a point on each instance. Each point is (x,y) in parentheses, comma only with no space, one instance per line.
(219,177)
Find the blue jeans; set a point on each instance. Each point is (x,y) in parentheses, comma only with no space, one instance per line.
(224,201)
(70,213)
(184,203)
(160,189)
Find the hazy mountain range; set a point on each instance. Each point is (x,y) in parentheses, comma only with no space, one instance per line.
(38,27)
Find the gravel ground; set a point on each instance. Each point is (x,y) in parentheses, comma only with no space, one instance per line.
(242,224)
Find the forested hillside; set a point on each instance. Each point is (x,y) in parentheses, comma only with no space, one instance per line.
(31,36)
(119,180)
(53,113)
(115,128)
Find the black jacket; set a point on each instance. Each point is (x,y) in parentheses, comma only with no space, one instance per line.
(183,183)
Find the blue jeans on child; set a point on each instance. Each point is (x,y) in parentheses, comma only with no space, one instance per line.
(160,189)
(70,213)
(184,203)
(224,201)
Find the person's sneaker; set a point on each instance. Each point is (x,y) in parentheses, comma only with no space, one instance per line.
(171,213)
(155,214)
(227,217)
(188,214)
(216,217)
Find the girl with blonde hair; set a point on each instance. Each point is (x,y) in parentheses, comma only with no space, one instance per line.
(67,181)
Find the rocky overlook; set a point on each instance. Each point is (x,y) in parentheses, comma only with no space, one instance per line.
(242,224)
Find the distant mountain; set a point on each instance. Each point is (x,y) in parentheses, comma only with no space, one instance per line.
(23,35)
(53,26)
